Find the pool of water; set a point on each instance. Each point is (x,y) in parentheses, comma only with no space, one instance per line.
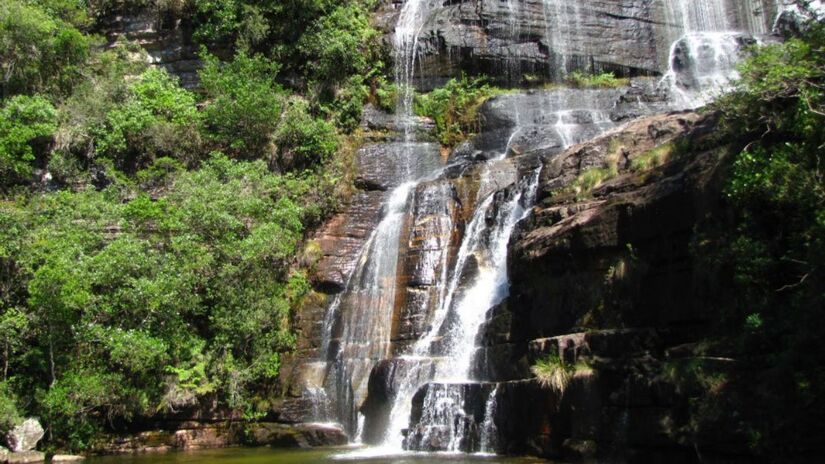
(290,456)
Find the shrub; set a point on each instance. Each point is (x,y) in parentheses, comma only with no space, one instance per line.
(157,118)
(552,372)
(9,414)
(386,95)
(454,108)
(23,120)
(38,52)
(339,45)
(303,141)
(244,104)
(603,80)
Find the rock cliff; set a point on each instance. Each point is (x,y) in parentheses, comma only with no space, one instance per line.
(602,275)
(516,39)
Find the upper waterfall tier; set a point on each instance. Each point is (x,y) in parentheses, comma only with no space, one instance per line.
(507,39)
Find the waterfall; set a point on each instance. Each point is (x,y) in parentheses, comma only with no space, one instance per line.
(405,45)
(460,263)
(489,430)
(358,323)
(365,327)
(706,38)
(562,19)
(458,320)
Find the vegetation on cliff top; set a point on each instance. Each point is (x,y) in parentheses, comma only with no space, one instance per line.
(148,233)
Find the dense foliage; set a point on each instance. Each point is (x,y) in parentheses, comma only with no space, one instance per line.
(769,250)
(149,234)
(454,107)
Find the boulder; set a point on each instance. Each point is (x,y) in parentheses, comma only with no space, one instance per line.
(25,436)
(25,457)
(67,458)
(296,436)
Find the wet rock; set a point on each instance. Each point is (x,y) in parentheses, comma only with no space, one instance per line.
(375,119)
(545,122)
(510,39)
(342,237)
(297,436)
(25,436)
(434,231)
(386,380)
(513,41)
(382,166)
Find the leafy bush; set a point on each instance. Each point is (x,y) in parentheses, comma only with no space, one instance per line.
(339,44)
(244,104)
(454,108)
(9,414)
(156,118)
(302,140)
(23,120)
(162,278)
(768,247)
(603,80)
(38,52)
(386,95)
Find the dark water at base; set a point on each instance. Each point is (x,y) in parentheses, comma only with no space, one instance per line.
(287,456)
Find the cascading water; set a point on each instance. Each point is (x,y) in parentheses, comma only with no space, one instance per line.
(561,19)
(443,356)
(365,327)
(358,323)
(405,45)
(706,37)
(458,319)
(489,430)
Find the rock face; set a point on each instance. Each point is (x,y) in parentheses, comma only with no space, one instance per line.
(166,39)
(510,39)
(25,436)
(575,241)
(604,275)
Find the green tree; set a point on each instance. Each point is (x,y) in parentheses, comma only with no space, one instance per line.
(23,122)
(38,51)
(303,141)
(244,104)
(157,118)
